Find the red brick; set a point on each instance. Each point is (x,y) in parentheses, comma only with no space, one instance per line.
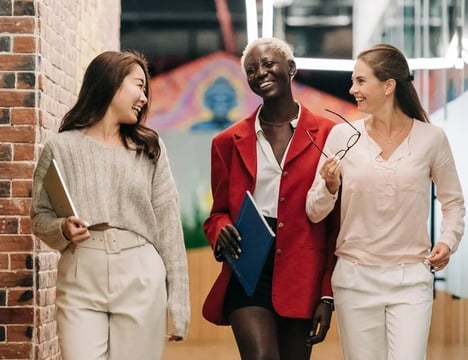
(21,188)
(4,262)
(22,278)
(24,8)
(5,188)
(21,261)
(18,333)
(16,351)
(23,152)
(17,316)
(25,80)
(7,80)
(15,206)
(24,44)
(15,98)
(15,243)
(23,116)
(18,25)
(9,225)
(17,62)
(16,170)
(6,151)
(25,225)
(20,297)
(4,116)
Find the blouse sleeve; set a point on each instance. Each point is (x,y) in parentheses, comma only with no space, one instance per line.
(449,194)
(320,202)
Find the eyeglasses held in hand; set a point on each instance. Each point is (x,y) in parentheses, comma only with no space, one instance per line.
(353,139)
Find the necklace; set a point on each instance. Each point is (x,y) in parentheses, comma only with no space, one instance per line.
(276,123)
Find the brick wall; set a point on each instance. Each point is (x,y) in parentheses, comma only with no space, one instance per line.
(45,46)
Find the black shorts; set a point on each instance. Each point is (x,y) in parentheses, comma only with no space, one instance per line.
(236,297)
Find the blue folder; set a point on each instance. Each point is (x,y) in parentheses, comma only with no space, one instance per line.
(256,241)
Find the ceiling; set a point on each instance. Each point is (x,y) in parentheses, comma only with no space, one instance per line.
(171,33)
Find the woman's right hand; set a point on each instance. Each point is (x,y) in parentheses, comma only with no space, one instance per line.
(229,241)
(331,173)
(75,230)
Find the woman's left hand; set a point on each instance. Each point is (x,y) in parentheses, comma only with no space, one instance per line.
(320,324)
(439,256)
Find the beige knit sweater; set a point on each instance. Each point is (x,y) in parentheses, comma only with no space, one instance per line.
(113,185)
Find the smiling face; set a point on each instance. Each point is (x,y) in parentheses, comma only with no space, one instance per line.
(268,72)
(130,98)
(370,92)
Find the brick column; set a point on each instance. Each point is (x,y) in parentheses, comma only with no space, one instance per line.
(17,137)
(45,46)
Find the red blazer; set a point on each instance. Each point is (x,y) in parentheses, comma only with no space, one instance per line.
(304,258)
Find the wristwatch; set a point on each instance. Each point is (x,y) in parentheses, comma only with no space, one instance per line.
(329,302)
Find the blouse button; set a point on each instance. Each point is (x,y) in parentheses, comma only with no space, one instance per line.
(278,251)
(280,225)
(281,199)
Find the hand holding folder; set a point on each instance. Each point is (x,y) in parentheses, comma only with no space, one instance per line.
(256,241)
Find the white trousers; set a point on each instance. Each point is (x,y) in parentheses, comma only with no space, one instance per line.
(383,312)
(111,303)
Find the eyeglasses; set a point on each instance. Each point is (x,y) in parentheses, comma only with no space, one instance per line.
(353,139)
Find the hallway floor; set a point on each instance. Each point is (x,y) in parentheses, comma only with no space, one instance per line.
(329,350)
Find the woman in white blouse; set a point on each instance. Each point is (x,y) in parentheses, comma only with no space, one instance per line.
(382,167)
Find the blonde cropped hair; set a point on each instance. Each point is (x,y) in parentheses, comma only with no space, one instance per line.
(281,46)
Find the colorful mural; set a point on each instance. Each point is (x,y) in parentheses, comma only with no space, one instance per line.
(193,103)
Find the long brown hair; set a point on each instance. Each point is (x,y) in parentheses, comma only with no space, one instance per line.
(102,79)
(388,62)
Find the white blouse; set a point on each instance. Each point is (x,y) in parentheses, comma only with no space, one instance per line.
(385,203)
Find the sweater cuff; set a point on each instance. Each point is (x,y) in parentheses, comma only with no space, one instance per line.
(55,238)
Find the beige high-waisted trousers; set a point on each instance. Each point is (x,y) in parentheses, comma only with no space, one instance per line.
(111,299)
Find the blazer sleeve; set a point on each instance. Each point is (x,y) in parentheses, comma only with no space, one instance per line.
(220,213)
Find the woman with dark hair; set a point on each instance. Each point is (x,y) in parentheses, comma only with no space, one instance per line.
(123,263)
(270,153)
(382,282)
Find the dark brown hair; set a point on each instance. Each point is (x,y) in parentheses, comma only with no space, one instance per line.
(388,62)
(102,79)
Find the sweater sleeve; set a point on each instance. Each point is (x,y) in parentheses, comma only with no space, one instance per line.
(170,244)
(45,223)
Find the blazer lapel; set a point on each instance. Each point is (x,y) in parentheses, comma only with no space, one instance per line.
(245,141)
(307,123)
